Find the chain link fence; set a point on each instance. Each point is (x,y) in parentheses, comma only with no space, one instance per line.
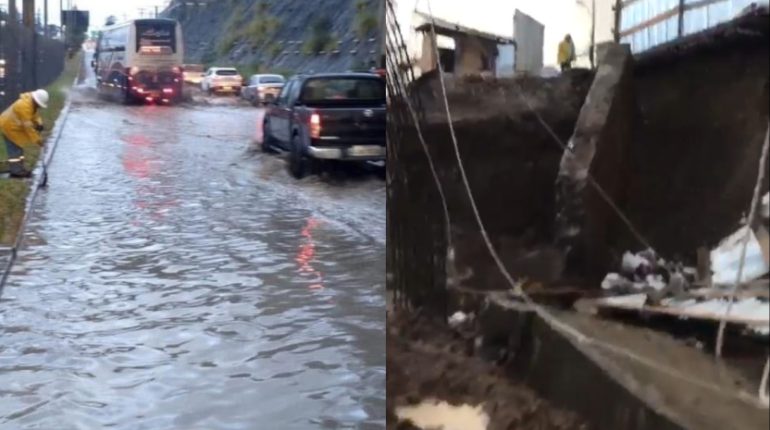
(417,239)
(28,60)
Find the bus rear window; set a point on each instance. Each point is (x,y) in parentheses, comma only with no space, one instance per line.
(155,37)
(343,90)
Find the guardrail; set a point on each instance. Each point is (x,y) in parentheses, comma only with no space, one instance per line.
(644,24)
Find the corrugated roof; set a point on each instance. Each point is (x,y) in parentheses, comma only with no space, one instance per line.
(444,26)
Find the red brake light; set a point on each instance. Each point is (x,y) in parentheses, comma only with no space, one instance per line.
(315,126)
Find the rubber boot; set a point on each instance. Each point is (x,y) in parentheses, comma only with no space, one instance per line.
(16,168)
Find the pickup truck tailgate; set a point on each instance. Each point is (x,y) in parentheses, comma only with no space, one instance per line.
(353,125)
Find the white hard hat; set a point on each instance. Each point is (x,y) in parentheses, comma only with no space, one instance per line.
(41,98)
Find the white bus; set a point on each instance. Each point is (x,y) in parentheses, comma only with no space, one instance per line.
(140,61)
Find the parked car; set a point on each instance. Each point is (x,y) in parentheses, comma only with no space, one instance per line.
(262,88)
(327,117)
(222,80)
(193,73)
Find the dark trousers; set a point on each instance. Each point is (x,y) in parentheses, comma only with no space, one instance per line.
(15,158)
(566,66)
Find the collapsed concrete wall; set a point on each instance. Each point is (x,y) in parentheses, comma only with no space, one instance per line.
(676,145)
(511,161)
(593,169)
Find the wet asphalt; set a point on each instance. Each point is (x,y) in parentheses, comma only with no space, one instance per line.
(174,277)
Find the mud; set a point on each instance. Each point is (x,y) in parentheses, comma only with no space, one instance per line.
(703,118)
(428,360)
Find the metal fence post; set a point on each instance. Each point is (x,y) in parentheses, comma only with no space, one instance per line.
(681,18)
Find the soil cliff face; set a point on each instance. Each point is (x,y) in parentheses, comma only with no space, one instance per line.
(282,35)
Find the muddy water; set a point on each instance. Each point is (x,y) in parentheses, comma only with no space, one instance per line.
(175,279)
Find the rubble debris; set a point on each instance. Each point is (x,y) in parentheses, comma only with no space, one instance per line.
(725,259)
(432,414)
(429,362)
(459,318)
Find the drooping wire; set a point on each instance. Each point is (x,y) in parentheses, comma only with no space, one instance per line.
(744,243)
(546,316)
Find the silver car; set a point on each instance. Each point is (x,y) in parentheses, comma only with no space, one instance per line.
(262,89)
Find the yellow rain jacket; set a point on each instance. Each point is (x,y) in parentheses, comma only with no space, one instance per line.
(565,52)
(18,123)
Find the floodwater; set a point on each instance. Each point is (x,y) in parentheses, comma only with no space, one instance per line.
(174,278)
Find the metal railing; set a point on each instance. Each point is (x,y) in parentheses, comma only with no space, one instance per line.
(644,24)
(28,60)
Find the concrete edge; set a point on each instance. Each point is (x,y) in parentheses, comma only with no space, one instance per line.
(39,179)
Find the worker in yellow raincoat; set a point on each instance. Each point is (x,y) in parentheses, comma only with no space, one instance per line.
(566,53)
(21,125)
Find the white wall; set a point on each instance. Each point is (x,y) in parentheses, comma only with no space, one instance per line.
(496,16)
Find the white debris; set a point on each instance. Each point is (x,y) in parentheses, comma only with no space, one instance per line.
(613,280)
(725,259)
(655,282)
(632,262)
(435,415)
(459,318)
(635,301)
(749,309)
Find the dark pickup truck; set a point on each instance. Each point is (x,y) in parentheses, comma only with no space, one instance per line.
(328,117)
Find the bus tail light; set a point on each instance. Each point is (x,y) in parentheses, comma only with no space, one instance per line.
(315,126)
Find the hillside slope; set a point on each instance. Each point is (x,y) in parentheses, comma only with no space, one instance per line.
(282,35)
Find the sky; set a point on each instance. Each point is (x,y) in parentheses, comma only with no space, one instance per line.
(496,16)
(99,9)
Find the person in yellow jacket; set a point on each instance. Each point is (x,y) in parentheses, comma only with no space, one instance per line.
(21,125)
(566,53)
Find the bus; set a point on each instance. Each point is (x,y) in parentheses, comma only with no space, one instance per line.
(140,61)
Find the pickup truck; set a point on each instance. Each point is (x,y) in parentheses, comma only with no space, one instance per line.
(338,116)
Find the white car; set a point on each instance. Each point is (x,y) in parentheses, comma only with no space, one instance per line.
(262,88)
(222,80)
(193,73)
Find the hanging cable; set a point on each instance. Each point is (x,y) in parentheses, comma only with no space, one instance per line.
(545,315)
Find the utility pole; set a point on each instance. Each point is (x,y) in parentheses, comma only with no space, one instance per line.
(13,13)
(156,12)
(28,13)
(45,18)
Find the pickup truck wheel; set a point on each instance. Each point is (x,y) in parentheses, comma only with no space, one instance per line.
(267,139)
(297,162)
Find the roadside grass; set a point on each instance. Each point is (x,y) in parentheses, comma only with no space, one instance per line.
(13,192)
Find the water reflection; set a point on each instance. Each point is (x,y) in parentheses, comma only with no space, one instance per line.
(306,254)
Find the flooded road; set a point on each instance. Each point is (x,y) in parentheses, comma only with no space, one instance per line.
(174,278)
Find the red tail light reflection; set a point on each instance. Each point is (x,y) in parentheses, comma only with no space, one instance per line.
(306,253)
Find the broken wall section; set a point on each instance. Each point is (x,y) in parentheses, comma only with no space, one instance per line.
(511,161)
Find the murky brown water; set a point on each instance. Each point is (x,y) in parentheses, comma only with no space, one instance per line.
(173,279)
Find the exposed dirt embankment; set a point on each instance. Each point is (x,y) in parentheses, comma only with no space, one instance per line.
(511,160)
(703,118)
(282,35)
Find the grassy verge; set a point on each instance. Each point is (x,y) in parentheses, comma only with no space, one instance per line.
(13,192)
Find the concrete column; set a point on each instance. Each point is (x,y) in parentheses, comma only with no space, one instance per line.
(585,223)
